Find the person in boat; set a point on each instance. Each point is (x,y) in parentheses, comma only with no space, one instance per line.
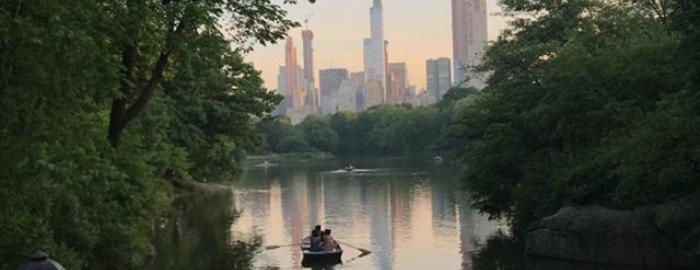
(318,230)
(329,243)
(315,240)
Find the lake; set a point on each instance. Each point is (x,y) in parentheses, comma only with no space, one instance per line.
(411,213)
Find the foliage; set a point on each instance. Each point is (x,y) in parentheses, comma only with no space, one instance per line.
(380,130)
(587,104)
(318,133)
(76,182)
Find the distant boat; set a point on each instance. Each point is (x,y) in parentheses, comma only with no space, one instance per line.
(266,164)
(319,258)
(437,159)
(349,168)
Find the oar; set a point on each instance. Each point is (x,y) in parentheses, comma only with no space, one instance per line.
(279,246)
(362,250)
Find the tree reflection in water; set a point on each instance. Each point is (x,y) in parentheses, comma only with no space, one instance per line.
(198,236)
(503,252)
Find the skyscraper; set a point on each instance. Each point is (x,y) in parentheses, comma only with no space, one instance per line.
(375,51)
(469,40)
(397,83)
(347,97)
(294,91)
(311,93)
(358,83)
(438,77)
(329,82)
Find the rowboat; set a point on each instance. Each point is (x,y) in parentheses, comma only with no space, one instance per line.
(318,258)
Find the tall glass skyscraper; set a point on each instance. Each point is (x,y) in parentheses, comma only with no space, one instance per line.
(374,50)
(312,99)
(469,40)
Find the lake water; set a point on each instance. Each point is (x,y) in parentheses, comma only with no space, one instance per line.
(410,213)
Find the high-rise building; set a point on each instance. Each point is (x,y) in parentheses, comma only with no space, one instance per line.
(295,88)
(310,90)
(282,81)
(282,90)
(374,49)
(397,82)
(469,40)
(347,97)
(329,82)
(373,94)
(438,77)
(358,83)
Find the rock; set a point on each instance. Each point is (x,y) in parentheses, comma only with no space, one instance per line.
(666,235)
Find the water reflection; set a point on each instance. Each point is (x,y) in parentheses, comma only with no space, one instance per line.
(409,213)
(198,236)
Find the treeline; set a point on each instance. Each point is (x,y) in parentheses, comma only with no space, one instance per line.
(100,101)
(380,130)
(589,102)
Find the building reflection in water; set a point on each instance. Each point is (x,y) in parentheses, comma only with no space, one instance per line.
(409,220)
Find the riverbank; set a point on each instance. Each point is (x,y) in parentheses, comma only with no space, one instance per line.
(301,156)
(189,187)
(666,235)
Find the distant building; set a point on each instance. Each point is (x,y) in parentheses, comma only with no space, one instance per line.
(282,90)
(425,98)
(397,83)
(330,80)
(310,90)
(438,77)
(294,77)
(469,40)
(409,95)
(375,50)
(373,94)
(358,83)
(347,97)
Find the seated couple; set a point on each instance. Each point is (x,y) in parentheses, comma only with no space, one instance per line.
(322,240)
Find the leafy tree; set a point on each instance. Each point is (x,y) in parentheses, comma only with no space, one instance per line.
(318,133)
(342,124)
(70,70)
(578,94)
(273,131)
(294,144)
(148,33)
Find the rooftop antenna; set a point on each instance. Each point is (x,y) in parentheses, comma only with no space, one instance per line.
(306,20)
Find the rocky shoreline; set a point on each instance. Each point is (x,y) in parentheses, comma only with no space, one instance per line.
(666,235)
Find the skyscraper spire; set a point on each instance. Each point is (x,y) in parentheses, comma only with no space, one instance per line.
(374,54)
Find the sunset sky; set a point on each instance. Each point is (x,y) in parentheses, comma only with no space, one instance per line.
(416,30)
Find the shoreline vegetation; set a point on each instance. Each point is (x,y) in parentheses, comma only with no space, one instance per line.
(588,103)
(101,102)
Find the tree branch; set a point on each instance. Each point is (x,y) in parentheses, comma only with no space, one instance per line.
(147,91)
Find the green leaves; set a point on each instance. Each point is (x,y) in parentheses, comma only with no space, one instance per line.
(180,96)
(583,107)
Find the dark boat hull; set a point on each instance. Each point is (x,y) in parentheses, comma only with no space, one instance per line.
(319,258)
(315,258)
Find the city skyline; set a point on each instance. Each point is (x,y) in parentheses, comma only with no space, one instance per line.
(338,43)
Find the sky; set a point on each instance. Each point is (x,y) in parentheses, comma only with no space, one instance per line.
(417,30)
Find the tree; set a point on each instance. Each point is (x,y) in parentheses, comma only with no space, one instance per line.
(149,32)
(576,92)
(69,70)
(318,133)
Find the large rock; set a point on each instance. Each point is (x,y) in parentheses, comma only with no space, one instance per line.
(667,235)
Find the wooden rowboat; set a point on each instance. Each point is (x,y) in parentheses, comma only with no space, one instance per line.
(319,258)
